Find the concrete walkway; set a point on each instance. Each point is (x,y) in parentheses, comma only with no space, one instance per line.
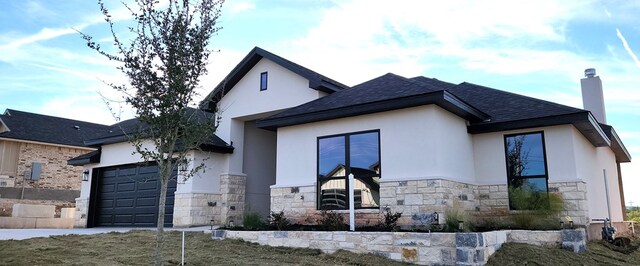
(19,234)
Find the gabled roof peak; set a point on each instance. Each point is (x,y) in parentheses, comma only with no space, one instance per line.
(316,80)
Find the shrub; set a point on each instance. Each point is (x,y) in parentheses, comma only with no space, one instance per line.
(390,220)
(278,220)
(535,210)
(252,221)
(454,215)
(331,221)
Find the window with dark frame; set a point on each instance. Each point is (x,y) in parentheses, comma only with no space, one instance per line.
(263,81)
(527,175)
(340,155)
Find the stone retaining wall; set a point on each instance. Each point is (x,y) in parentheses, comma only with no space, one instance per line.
(419,248)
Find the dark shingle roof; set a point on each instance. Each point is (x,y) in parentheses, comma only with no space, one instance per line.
(505,106)
(387,87)
(498,106)
(48,129)
(118,133)
(316,80)
(486,109)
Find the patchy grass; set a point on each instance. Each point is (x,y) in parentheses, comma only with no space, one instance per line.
(597,254)
(136,248)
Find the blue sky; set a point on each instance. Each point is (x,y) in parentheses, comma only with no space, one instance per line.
(535,48)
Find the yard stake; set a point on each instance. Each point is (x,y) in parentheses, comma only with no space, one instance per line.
(182,261)
(352,218)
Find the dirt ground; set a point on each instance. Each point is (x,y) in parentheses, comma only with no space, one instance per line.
(136,248)
(597,254)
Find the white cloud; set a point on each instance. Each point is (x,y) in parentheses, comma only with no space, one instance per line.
(238,7)
(627,48)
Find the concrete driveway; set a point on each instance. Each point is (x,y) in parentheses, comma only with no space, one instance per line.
(18,234)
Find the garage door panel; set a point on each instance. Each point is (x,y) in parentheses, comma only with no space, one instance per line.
(126,187)
(106,203)
(148,185)
(128,196)
(108,188)
(125,202)
(151,201)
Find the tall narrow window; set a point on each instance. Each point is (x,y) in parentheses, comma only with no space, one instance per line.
(341,155)
(527,175)
(263,81)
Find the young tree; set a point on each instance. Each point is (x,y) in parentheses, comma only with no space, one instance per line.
(164,62)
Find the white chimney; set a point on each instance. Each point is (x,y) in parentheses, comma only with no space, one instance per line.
(592,97)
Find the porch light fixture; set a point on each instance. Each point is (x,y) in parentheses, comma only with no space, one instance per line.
(85,175)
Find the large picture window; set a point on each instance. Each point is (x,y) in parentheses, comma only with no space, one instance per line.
(341,155)
(526,170)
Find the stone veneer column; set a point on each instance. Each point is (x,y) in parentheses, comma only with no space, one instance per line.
(232,189)
(82,210)
(574,195)
(193,209)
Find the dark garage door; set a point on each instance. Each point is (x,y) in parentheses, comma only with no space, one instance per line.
(127,195)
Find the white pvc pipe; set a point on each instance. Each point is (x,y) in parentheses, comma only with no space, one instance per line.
(352,214)
(606,190)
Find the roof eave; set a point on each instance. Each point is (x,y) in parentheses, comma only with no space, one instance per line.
(441,98)
(621,152)
(81,160)
(583,121)
(106,140)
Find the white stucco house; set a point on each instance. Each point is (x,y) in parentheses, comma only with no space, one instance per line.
(289,137)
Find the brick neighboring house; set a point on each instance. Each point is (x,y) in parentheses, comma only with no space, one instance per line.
(28,139)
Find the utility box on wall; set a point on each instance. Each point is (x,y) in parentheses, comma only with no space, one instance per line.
(36,169)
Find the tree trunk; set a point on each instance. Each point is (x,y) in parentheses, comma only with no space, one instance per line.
(164,180)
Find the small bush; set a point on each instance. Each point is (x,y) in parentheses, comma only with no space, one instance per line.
(252,221)
(535,210)
(454,215)
(278,220)
(390,221)
(331,221)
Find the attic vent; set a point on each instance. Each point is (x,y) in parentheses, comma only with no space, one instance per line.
(76,127)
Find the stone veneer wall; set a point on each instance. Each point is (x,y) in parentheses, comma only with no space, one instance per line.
(82,213)
(416,197)
(574,195)
(427,196)
(299,205)
(193,209)
(232,189)
(56,173)
(419,248)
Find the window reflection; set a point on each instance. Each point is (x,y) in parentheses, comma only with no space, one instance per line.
(526,168)
(363,152)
